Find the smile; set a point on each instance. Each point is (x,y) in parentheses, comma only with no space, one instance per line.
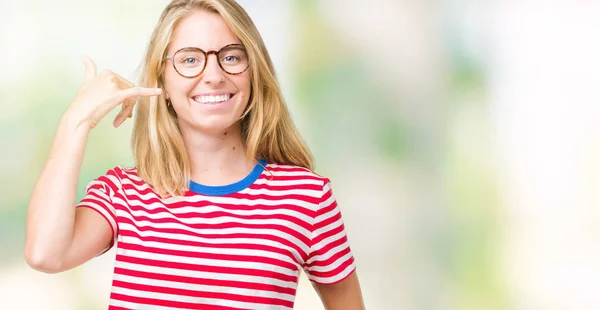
(216,99)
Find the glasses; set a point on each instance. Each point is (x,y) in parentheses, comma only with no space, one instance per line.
(190,62)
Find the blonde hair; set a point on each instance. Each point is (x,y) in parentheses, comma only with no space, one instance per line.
(268,131)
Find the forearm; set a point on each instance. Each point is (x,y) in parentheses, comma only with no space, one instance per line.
(51,210)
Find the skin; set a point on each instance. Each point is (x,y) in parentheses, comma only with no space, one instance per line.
(60,237)
(212,136)
(344,295)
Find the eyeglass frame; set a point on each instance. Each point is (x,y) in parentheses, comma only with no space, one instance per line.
(206,54)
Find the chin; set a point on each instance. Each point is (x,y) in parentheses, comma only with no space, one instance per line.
(215,123)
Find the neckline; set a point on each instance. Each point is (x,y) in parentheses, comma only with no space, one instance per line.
(222,190)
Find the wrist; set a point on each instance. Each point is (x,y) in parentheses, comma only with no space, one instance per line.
(72,124)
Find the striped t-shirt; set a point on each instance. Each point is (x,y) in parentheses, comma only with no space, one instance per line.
(239,246)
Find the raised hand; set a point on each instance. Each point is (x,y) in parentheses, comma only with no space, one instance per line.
(101,93)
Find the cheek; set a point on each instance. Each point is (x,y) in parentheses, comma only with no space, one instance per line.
(174,85)
(244,85)
(169,83)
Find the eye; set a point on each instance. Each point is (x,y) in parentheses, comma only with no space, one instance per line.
(189,60)
(230,58)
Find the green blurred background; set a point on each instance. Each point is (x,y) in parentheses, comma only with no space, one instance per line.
(461,138)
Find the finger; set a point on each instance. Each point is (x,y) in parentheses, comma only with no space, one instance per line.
(128,105)
(125,94)
(126,109)
(119,119)
(90,68)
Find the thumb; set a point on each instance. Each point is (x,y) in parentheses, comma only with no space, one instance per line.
(90,68)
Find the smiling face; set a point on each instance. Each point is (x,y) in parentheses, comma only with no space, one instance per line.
(214,100)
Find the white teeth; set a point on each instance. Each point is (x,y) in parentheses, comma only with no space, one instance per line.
(211,99)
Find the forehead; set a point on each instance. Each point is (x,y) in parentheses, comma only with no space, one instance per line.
(203,29)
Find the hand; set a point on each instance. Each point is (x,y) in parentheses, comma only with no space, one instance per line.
(100,94)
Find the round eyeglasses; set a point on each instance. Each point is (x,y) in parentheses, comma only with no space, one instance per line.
(190,62)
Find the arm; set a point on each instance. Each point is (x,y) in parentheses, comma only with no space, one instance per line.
(330,265)
(344,295)
(51,216)
(59,237)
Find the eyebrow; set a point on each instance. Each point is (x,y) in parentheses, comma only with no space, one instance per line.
(240,44)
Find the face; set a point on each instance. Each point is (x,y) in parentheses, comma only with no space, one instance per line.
(214,100)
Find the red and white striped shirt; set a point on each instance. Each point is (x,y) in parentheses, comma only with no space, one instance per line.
(239,246)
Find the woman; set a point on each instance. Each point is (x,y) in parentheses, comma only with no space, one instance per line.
(222,210)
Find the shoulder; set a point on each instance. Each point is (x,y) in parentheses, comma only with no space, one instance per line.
(120,172)
(287,172)
(311,183)
(115,177)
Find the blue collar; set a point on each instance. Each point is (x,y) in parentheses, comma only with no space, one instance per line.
(231,188)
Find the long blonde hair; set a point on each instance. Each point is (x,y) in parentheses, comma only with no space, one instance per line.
(268,131)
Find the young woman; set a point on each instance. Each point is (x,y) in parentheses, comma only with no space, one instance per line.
(222,210)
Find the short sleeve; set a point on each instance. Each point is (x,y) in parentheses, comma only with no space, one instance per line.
(330,259)
(98,197)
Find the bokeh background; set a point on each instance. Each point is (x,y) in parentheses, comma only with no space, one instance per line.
(462,138)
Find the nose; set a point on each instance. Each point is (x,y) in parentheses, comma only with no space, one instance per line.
(212,73)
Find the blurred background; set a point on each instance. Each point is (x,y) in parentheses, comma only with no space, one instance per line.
(462,138)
